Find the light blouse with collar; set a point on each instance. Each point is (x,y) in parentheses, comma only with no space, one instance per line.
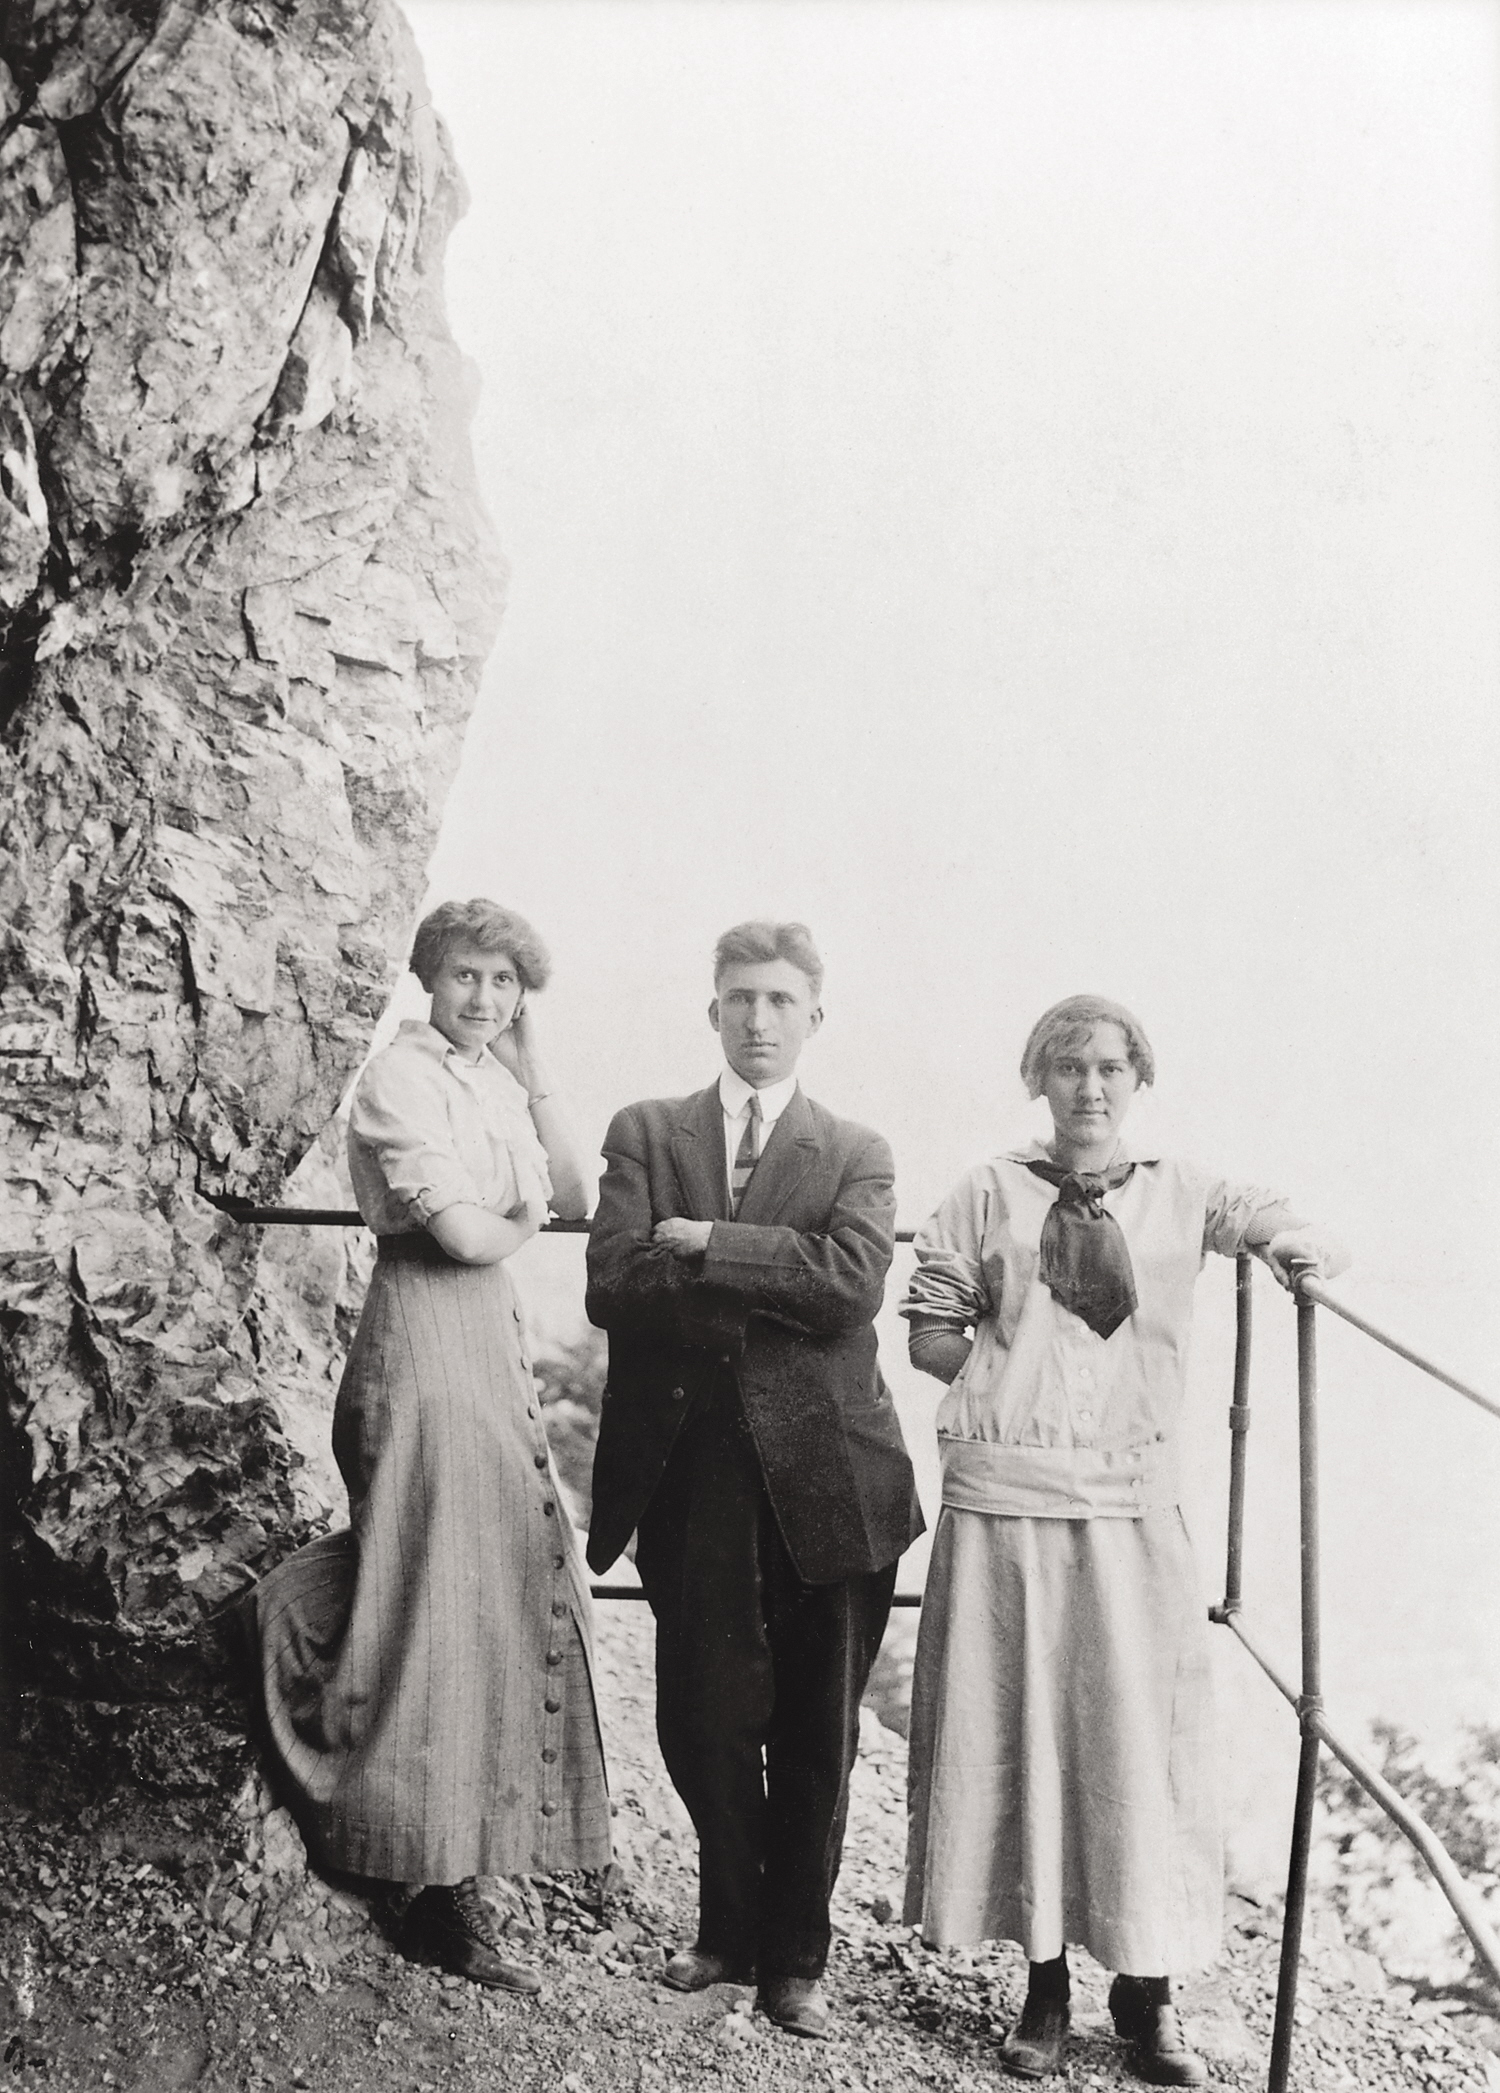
(429,1129)
(734,1098)
(1046,1419)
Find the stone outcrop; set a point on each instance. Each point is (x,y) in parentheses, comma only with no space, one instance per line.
(246,590)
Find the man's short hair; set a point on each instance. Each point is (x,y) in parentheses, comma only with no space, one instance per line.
(483,924)
(756,943)
(1068,1024)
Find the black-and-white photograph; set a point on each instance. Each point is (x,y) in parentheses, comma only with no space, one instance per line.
(748,1327)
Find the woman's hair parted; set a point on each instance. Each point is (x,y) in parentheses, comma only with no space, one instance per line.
(755,942)
(1068,1024)
(483,924)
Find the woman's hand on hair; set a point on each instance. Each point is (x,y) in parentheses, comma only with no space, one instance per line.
(516,1048)
(519,1050)
(1294,1252)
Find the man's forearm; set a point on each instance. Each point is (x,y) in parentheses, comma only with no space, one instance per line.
(827,1281)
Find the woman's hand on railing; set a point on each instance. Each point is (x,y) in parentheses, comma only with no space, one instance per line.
(1295,1252)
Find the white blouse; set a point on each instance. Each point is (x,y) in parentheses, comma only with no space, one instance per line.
(1046,1419)
(429,1129)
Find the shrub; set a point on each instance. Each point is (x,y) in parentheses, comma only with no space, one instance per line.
(570,1383)
(1380,1884)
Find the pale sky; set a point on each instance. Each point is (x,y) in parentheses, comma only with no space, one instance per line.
(1015,485)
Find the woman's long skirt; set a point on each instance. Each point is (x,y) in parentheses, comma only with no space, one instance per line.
(427,1674)
(1062,1768)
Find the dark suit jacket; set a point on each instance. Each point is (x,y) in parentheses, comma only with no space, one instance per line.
(785,1299)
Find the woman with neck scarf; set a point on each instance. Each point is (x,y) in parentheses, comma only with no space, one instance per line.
(426,1674)
(1062,1750)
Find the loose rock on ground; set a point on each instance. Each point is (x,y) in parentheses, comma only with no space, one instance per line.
(148,1947)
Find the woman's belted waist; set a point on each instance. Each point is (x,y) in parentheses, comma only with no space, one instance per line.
(419,1248)
(1059,1482)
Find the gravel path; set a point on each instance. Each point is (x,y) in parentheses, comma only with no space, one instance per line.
(156,1948)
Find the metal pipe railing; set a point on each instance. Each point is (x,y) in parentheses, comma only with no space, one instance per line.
(633,1591)
(1239,1444)
(1465,1904)
(1311,1289)
(1316,1731)
(1277,1678)
(1309,1701)
(251,1216)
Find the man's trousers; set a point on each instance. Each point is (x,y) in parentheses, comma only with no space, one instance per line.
(758,1684)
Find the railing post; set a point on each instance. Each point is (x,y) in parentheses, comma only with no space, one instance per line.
(1239,1427)
(1309,1703)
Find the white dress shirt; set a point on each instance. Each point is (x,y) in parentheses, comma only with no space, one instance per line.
(734,1096)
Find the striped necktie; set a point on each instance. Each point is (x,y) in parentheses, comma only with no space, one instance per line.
(746,1155)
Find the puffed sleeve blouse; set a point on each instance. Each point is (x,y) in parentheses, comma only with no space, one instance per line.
(429,1129)
(1047,1419)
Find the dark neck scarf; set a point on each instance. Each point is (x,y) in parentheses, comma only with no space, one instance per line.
(1085,1260)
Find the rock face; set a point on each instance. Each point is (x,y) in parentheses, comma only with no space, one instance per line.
(246,590)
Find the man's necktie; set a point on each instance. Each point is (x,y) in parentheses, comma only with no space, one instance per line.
(1085,1262)
(746,1155)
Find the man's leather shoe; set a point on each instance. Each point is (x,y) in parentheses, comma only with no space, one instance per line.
(1160,2054)
(797,2004)
(694,1969)
(451,1925)
(1033,2048)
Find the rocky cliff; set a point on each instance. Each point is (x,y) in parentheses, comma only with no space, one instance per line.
(246,590)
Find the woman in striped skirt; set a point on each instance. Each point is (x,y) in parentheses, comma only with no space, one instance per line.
(427,1673)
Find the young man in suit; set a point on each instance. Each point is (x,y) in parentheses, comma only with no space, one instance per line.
(737,1260)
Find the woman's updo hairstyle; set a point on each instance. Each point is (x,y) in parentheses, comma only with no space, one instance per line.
(1068,1024)
(483,924)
